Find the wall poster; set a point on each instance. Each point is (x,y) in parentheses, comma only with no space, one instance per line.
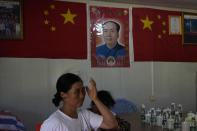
(109,32)
(11,19)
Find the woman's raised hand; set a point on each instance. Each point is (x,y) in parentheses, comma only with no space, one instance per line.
(92,93)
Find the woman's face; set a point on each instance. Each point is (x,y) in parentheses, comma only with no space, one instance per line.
(76,95)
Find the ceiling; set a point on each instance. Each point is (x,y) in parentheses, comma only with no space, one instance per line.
(184,4)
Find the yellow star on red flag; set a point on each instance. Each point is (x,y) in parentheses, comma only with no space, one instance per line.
(46,12)
(147,23)
(69,17)
(52,7)
(53,28)
(46,22)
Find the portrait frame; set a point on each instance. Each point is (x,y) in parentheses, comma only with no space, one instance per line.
(117,20)
(11,19)
(189,27)
(175,25)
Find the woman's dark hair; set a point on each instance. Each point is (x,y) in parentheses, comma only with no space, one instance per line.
(64,84)
(106,98)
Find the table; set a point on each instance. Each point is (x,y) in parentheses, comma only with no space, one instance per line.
(137,125)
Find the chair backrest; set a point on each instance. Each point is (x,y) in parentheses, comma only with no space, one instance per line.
(38,126)
(123,106)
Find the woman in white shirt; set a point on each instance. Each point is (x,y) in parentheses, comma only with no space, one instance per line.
(71,91)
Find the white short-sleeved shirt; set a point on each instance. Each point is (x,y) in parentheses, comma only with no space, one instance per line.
(58,121)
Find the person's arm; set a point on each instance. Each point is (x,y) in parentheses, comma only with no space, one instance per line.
(109,120)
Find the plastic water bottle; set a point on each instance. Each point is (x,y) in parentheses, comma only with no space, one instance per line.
(193,124)
(153,117)
(177,122)
(143,112)
(164,120)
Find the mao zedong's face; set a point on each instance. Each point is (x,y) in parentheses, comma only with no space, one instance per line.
(110,34)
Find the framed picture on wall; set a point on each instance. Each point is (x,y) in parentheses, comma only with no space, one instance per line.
(11,19)
(189,28)
(109,37)
(174,25)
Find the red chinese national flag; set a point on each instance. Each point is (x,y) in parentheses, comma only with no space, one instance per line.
(52,29)
(151,38)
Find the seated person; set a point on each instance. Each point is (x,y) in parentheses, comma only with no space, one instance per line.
(10,122)
(106,98)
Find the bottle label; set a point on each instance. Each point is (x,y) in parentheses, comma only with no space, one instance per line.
(142,117)
(181,114)
(164,122)
(176,125)
(153,119)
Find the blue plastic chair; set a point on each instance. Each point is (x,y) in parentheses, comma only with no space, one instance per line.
(123,106)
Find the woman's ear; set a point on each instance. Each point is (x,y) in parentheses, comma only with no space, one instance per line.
(63,95)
